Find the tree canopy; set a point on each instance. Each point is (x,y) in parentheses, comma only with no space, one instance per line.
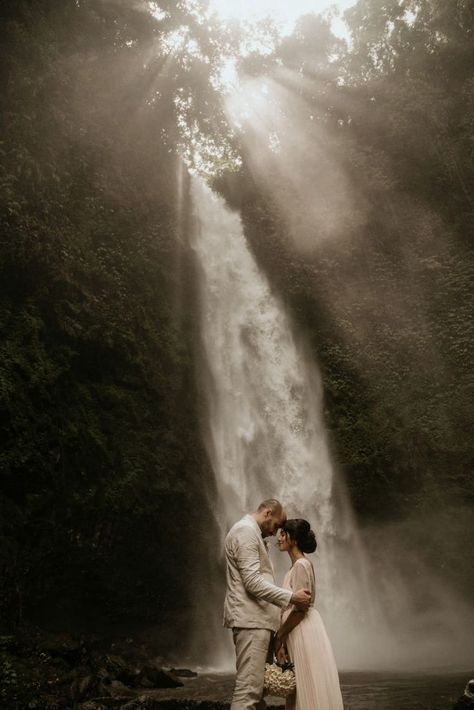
(354,177)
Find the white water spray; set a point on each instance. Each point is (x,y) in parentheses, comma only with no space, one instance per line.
(267,439)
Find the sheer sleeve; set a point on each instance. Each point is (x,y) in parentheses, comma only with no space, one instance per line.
(302,576)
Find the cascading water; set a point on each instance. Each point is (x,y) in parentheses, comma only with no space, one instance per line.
(266,438)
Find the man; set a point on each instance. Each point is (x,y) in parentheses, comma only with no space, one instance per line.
(252,599)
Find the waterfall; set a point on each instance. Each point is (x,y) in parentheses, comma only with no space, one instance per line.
(266,438)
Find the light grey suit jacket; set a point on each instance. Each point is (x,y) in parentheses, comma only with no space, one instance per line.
(252,598)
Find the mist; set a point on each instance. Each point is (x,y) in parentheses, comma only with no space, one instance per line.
(235,263)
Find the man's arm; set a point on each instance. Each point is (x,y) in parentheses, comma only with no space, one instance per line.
(246,554)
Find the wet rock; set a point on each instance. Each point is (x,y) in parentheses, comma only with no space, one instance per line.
(60,665)
(140,703)
(122,670)
(84,687)
(131,650)
(52,702)
(108,702)
(157,677)
(85,684)
(118,689)
(148,703)
(183,673)
(115,664)
(8,643)
(104,676)
(63,646)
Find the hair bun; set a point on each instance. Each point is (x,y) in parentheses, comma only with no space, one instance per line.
(300,531)
(308,542)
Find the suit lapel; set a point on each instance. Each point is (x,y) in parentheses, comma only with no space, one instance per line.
(270,564)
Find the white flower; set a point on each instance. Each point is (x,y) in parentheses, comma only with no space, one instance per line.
(278,681)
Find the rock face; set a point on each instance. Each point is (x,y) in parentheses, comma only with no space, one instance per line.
(61,672)
(49,671)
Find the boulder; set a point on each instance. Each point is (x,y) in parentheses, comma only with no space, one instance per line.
(84,687)
(117,689)
(157,677)
(61,646)
(122,670)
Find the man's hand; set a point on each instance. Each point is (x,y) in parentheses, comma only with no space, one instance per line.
(301,599)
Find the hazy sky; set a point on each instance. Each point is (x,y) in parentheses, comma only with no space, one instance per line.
(284,11)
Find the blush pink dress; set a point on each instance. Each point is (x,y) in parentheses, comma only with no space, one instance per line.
(317,681)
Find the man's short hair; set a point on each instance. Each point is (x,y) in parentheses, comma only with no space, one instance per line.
(271,503)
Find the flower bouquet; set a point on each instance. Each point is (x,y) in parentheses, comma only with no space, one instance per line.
(279,680)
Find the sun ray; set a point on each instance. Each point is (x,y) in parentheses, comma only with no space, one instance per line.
(282,12)
(308,182)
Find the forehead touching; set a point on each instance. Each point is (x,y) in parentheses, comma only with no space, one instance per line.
(279,517)
(278,513)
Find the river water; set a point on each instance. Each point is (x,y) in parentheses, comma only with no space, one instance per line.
(360,690)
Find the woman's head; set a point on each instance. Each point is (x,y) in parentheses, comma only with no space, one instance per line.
(297,531)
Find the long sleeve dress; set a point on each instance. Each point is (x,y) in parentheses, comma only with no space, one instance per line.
(317,681)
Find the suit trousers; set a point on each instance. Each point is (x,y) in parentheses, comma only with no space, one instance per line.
(252,650)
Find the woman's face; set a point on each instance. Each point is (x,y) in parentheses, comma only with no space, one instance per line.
(283,541)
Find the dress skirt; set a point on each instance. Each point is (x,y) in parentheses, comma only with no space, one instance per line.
(317,680)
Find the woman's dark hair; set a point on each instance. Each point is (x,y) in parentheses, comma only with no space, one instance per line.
(299,531)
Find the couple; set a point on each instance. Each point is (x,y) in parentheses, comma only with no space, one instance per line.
(251,611)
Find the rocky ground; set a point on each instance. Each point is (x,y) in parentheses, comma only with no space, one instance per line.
(41,671)
(57,671)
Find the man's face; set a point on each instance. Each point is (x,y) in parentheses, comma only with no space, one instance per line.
(272,522)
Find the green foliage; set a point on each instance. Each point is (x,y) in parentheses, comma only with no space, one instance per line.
(102,463)
(9,677)
(98,419)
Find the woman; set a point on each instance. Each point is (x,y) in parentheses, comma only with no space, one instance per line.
(302,633)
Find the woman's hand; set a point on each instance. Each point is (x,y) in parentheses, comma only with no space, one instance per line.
(282,656)
(279,647)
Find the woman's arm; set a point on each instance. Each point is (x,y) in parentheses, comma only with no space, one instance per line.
(300,575)
(293,619)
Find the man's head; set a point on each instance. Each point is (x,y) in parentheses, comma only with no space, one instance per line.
(270,515)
